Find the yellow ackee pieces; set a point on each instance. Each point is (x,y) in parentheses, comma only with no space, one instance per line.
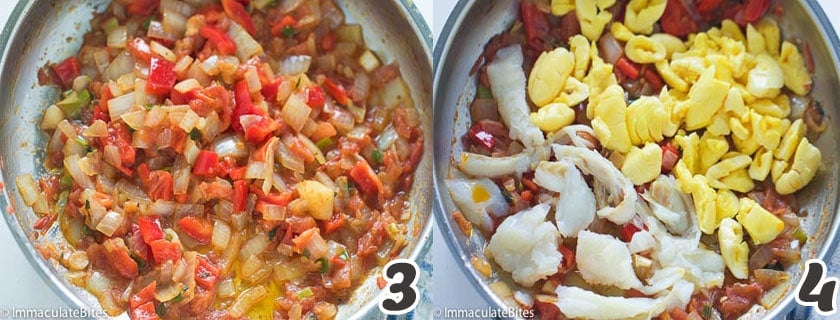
(641,49)
(796,74)
(703,195)
(562,7)
(593,17)
(734,250)
(581,49)
(642,165)
(761,225)
(549,75)
(609,110)
(806,161)
(641,15)
(620,32)
(649,120)
(553,117)
(705,98)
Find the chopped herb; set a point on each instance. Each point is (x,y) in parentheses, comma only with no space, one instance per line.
(66,180)
(707,311)
(324,143)
(484,92)
(507,196)
(87,204)
(325,265)
(149,106)
(195,134)
(140,262)
(160,309)
(305,293)
(73,102)
(289,32)
(344,255)
(82,141)
(272,233)
(801,236)
(376,156)
(147,23)
(87,230)
(306,253)
(297,84)
(180,295)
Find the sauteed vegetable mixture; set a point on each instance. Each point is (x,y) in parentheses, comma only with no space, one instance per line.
(225,159)
(640,159)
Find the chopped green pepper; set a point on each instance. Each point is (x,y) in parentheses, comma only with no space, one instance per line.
(325,265)
(195,134)
(73,103)
(305,293)
(324,143)
(484,92)
(110,24)
(376,156)
(289,32)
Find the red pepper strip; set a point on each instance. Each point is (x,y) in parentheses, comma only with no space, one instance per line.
(654,80)
(628,68)
(119,136)
(236,11)
(243,106)
(160,185)
(205,164)
(206,274)
(280,199)
(147,294)
(628,230)
(197,228)
(752,11)
(707,6)
(240,195)
(260,131)
(120,259)
(338,92)
(163,250)
(670,156)
(150,228)
(287,21)
(481,137)
(145,311)
(317,97)
(676,20)
(140,49)
(269,91)
(328,42)
(368,181)
(568,257)
(162,76)
(219,39)
(536,25)
(67,71)
(143,7)
(334,223)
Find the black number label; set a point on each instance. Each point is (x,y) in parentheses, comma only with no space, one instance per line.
(815,290)
(400,295)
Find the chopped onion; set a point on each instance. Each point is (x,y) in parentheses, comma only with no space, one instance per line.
(181,177)
(189,121)
(294,65)
(109,223)
(157,31)
(761,257)
(134,119)
(98,284)
(180,7)
(90,165)
(74,147)
(174,24)
(368,61)
(246,300)
(246,46)
(319,155)
(230,145)
(288,159)
(342,120)
(255,170)
(102,60)
(609,48)
(71,164)
(273,212)
(97,129)
(166,293)
(112,155)
(226,289)
(122,64)
(387,138)
(27,188)
(163,51)
(361,87)
(296,112)
(67,129)
(289,5)
(253,80)
(117,37)
(78,260)
(52,116)
(253,246)
(162,207)
(221,235)
(212,126)
(278,183)
(120,105)
(132,191)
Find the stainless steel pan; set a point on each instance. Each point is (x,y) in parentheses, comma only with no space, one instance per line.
(39,32)
(471,26)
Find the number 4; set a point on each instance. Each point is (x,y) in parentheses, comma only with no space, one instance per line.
(814,280)
(400,296)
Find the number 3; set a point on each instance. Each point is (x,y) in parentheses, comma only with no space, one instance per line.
(400,295)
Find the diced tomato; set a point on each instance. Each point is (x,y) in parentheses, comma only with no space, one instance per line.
(243,105)
(337,91)
(219,39)
(100,111)
(236,11)
(280,199)
(546,310)
(140,49)
(706,6)
(751,11)
(328,42)
(197,228)
(237,173)
(568,257)
(206,274)
(334,223)
(147,294)
(162,76)
(286,21)
(628,230)
(323,130)
(317,97)
(44,222)
(119,136)
(163,250)
(205,164)
(677,20)
(670,156)
(240,195)
(809,57)
(481,137)
(628,68)
(536,25)
(143,7)
(368,181)
(160,185)
(120,259)
(145,311)
(260,131)
(136,245)
(67,71)
(150,228)
(527,196)
(654,80)
(269,91)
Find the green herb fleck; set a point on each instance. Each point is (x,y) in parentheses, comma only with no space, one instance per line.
(141,264)
(149,106)
(195,134)
(66,180)
(305,293)
(297,84)
(272,233)
(147,23)
(507,196)
(376,156)
(73,102)
(484,92)
(180,295)
(801,236)
(87,230)
(324,143)
(325,265)
(82,141)
(306,253)
(87,204)
(289,32)
(344,255)
(707,311)
(160,309)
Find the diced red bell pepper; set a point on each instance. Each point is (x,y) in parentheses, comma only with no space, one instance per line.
(334,223)
(751,11)
(160,185)
(286,21)
(568,257)
(120,259)
(237,173)
(536,25)
(219,39)
(280,199)
(119,136)
(236,11)
(652,78)
(269,91)
(140,49)
(243,105)
(147,294)
(628,68)
(163,250)
(628,230)
(143,7)
(481,137)
(677,20)
(145,311)
(337,91)
(328,42)
(240,195)
(670,156)
(261,130)
(317,97)
(197,228)
(150,228)
(205,164)
(206,274)
(162,76)
(368,181)
(67,71)
(707,6)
